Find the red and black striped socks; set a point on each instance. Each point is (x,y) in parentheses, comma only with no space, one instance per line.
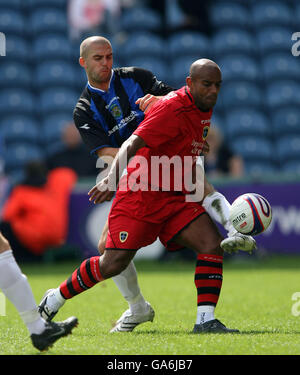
(208,281)
(83,278)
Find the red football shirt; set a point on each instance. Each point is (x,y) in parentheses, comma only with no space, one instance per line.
(174,131)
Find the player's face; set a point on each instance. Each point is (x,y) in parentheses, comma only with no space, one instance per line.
(205,88)
(98,63)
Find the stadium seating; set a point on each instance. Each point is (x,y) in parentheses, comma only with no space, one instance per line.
(274,13)
(260,168)
(281,65)
(234,40)
(17,128)
(247,122)
(17,101)
(12,4)
(179,70)
(51,46)
(239,67)
(157,66)
(241,94)
(12,22)
(48,20)
(229,14)
(19,154)
(140,19)
(17,49)
(274,38)
(291,167)
(140,45)
(188,43)
(55,73)
(286,121)
(253,148)
(15,74)
(47,3)
(57,99)
(52,127)
(288,148)
(282,93)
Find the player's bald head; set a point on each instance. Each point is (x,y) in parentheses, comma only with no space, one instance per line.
(200,68)
(87,43)
(204,83)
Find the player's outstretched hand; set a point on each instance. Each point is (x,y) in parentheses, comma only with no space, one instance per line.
(146,102)
(101,192)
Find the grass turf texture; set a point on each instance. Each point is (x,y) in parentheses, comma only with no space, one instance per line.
(256,298)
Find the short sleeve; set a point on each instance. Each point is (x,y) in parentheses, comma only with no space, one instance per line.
(150,84)
(160,125)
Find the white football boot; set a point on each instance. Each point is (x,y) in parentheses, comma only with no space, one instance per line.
(128,321)
(238,241)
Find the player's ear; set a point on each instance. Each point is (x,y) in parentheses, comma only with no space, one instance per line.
(188,81)
(81,61)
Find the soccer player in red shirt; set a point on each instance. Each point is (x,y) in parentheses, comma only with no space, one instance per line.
(139,216)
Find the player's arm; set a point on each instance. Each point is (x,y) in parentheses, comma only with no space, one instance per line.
(153,88)
(105,189)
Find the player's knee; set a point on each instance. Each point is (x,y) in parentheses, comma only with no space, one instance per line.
(111,266)
(101,246)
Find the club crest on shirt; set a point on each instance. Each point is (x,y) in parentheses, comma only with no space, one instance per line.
(205,132)
(116,111)
(123,236)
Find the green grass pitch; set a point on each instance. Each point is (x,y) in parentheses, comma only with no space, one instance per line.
(256,298)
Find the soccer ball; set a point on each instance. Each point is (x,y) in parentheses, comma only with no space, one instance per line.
(250,214)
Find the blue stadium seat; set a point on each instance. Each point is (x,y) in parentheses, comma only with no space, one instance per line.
(274,13)
(48,20)
(260,168)
(14,74)
(229,14)
(281,66)
(272,39)
(52,46)
(52,131)
(19,154)
(55,73)
(241,94)
(17,128)
(12,22)
(48,3)
(57,99)
(282,93)
(81,79)
(17,101)
(17,49)
(252,148)
(286,121)
(239,67)
(157,66)
(291,167)
(288,148)
(141,45)
(12,4)
(179,70)
(235,40)
(188,43)
(241,122)
(140,19)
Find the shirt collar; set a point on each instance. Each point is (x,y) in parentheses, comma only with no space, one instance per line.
(95,89)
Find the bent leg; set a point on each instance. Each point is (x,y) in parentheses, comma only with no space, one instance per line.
(126,281)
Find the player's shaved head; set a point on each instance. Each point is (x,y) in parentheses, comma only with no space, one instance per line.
(87,43)
(204,83)
(200,67)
